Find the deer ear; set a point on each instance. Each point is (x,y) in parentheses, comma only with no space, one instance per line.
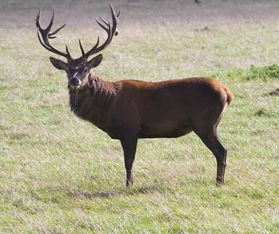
(58,64)
(95,61)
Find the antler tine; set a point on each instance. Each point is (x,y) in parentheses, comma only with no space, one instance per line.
(68,52)
(102,26)
(116,31)
(110,30)
(51,35)
(37,20)
(97,43)
(51,23)
(44,35)
(81,48)
(104,21)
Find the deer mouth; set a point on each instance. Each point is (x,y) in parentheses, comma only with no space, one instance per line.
(75,82)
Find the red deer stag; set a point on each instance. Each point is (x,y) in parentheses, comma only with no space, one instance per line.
(130,109)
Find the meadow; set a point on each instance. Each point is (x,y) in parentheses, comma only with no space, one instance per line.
(59,174)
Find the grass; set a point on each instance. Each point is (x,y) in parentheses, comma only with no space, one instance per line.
(59,174)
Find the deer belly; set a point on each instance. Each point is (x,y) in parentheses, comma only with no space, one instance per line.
(167,130)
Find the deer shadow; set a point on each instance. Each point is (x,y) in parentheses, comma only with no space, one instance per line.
(147,189)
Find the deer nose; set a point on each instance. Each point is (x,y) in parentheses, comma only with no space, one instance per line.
(75,81)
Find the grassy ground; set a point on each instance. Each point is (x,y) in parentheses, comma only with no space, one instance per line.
(59,174)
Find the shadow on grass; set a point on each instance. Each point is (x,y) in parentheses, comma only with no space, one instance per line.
(115,193)
(273,93)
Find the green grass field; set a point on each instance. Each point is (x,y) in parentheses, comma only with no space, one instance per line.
(59,174)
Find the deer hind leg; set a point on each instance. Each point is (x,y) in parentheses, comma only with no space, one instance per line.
(210,139)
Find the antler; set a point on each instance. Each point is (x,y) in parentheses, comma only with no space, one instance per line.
(110,30)
(45,34)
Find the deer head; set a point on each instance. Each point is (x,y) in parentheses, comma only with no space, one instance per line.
(77,69)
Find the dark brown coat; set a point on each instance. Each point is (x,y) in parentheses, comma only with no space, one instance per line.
(130,109)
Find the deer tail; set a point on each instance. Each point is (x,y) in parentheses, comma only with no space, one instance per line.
(229,95)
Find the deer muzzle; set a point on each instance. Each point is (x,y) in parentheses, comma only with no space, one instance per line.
(75,82)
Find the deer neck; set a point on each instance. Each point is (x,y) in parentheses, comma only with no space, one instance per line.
(93,100)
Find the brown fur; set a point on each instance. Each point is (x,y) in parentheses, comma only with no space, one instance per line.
(130,109)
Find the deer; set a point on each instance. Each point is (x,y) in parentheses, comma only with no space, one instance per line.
(129,110)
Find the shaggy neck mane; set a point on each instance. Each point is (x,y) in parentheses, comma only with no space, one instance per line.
(93,100)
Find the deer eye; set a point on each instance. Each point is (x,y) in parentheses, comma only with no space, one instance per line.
(71,69)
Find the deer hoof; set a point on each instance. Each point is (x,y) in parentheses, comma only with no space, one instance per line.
(219,183)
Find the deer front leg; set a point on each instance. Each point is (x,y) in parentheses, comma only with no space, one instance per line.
(129,145)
